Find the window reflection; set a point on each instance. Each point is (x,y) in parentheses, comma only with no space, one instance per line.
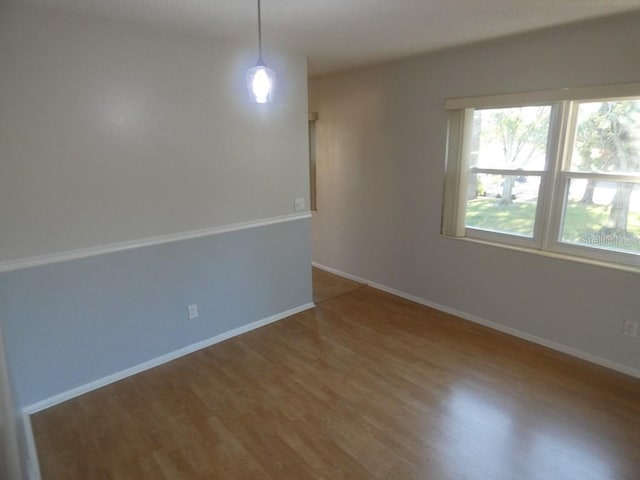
(488,436)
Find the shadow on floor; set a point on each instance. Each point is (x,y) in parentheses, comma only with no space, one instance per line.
(327,285)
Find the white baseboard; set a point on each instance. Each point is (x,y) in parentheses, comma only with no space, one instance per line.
(141,367)
(348,276)
(634,372)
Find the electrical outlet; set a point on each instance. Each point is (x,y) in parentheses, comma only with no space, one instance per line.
(630,328)
(299,204)
(193,311)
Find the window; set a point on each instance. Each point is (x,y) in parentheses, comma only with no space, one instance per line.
(555,171)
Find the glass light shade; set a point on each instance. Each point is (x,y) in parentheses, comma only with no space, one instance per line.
(261,80)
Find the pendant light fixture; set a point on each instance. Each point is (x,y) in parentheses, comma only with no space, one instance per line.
(260,79)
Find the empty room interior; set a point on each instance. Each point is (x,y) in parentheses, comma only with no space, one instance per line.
(283,239)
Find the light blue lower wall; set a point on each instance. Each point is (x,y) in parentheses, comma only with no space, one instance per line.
(71,323)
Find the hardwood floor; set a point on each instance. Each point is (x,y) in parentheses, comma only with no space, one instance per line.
(327,285)
(366,385)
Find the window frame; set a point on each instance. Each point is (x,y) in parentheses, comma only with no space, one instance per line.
(554,180)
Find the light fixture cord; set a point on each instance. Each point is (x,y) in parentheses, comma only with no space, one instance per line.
(259,32)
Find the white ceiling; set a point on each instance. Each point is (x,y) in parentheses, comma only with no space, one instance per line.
(339,34)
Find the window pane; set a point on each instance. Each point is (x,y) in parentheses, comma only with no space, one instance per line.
(505,204)
(607,137)
(603,215)
(510,138)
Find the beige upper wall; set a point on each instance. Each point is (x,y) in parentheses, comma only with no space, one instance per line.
(113,133)
(380,163)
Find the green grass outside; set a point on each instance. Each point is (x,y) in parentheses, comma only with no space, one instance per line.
(582,222)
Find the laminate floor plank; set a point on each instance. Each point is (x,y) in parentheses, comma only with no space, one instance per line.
(364,386)
(327,285)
